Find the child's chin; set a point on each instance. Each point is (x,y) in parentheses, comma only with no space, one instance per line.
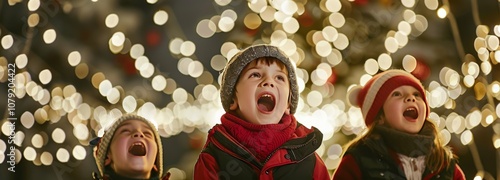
(139,165)
(139,159)
(412,130)
(265,111)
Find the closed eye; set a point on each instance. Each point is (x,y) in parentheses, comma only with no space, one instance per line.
(148,134)
(124,131)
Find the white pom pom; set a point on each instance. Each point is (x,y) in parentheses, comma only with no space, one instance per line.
(352,96)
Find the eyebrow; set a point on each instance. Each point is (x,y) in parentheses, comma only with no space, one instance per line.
(255,67)
(143,125)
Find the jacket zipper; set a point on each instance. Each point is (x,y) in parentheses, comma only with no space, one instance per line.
(234,154)
(290,147)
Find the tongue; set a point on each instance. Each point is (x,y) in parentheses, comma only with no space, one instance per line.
(411,114)
(265,104)
(137,150)
(263,107)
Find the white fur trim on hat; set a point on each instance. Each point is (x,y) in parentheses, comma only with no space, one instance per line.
(372,96)
(353,96)
(375,87)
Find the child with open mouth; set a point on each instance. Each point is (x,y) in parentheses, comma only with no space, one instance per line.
(400,141)
(130,149)
(259,137)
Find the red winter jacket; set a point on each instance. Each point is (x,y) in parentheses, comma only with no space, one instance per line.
(225,158)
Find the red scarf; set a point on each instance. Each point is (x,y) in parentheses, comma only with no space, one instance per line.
(261,140)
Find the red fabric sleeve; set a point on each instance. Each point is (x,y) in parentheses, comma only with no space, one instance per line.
(206,167)
(320,171)
(459,174)
(348,169)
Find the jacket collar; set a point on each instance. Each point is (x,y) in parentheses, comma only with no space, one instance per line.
(306,142)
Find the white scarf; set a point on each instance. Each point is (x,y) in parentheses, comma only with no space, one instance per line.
(413,166)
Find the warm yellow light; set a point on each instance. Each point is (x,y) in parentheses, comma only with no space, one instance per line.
(33,5)
(62,155)
(323,48)
(466,137)
(252,21)
(49,36)
(496,141)
(7,41)
(431,4)
(21,61)
(371,66)
(496,30)
(112,20)
(29,153)
(118,39)
(187,48)
(79,152)
(160,17)
(33,20)
(442,12)
(207,28)
(409,63)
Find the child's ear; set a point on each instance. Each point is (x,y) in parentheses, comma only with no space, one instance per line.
(107,161)
(234,105)
(287,111)
(381,119)
(155,168)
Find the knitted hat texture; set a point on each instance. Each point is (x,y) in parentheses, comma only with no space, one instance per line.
(104,142)
(234,67)
(371,97)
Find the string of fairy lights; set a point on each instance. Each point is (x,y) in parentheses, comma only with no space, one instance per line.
(201,109)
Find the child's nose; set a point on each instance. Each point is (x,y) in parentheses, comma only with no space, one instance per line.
(267,82)
(410,98)
(138,134)
(270,84)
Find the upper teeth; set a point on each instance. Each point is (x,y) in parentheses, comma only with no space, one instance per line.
(409,109)
(266,95)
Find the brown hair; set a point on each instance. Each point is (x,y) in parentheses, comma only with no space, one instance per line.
(268,61)
(440,156)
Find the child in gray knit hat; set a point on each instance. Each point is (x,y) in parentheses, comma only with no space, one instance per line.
(259,137)
(130,149)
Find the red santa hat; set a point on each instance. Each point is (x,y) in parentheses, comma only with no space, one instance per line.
(372,96)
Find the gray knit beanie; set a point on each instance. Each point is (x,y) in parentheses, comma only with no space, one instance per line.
(104,142)
(234,67)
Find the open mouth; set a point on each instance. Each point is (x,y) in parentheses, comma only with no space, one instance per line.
(411,113)
(266,103)
(137,149)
